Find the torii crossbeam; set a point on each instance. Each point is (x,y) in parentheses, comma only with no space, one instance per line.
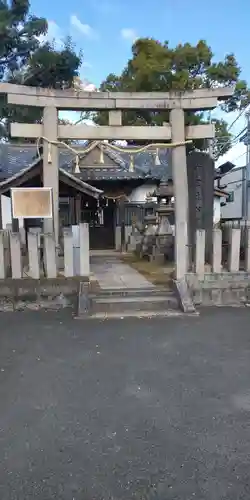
(115,102)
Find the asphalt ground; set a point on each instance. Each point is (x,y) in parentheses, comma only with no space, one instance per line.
(125,409)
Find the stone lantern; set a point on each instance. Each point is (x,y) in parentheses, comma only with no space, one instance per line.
(150,217)
(149,229)
(164,234)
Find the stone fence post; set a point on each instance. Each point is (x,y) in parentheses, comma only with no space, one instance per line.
(217,250)
(15,254)
(234,250)
(2,259)
(247,251)
(84,250)
(200,252)
(50,256)
(68,253)
(34,258)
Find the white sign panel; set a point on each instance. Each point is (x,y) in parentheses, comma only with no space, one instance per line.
(32,203)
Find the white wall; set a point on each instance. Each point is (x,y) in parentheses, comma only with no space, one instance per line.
(6,212)
(234,183)
(217,209)
(140,193)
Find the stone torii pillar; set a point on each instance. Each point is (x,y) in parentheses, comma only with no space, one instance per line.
(51,166)
(180,192)
(114,103)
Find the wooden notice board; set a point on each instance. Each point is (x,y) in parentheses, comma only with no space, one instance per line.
(32,203)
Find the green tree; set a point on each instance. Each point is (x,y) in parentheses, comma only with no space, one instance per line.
(155,66)
(19,32)
(25,60)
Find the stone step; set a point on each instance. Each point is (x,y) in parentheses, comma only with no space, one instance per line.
(134,292)
(136,314)
(132,303)
(125,301)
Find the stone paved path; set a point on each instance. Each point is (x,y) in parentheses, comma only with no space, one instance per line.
(111,273)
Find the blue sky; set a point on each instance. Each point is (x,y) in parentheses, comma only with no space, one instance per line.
(105,29)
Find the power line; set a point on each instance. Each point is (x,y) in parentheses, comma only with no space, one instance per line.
(233,141)
(240,156)
(237,118)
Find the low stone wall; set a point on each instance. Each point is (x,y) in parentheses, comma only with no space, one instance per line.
(30,294)
(219,289)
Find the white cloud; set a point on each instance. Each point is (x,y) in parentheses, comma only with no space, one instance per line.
(53,34)
(129,34)
(85,29)
(108,7)
(84,84)
(87,65)
(89,87)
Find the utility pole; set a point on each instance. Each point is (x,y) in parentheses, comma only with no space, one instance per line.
(211,141)
(247,170)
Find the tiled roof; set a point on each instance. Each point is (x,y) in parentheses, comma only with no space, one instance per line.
(95,173)
(144,162)
(14,158)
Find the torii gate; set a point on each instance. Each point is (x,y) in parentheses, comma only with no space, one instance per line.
(115,102)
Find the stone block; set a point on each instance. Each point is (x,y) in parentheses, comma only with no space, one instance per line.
(184,296)
(84,301)
(229,296)
(206,298)
(197,297)
(216,297)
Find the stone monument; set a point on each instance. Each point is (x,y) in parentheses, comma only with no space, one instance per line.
(200,171)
